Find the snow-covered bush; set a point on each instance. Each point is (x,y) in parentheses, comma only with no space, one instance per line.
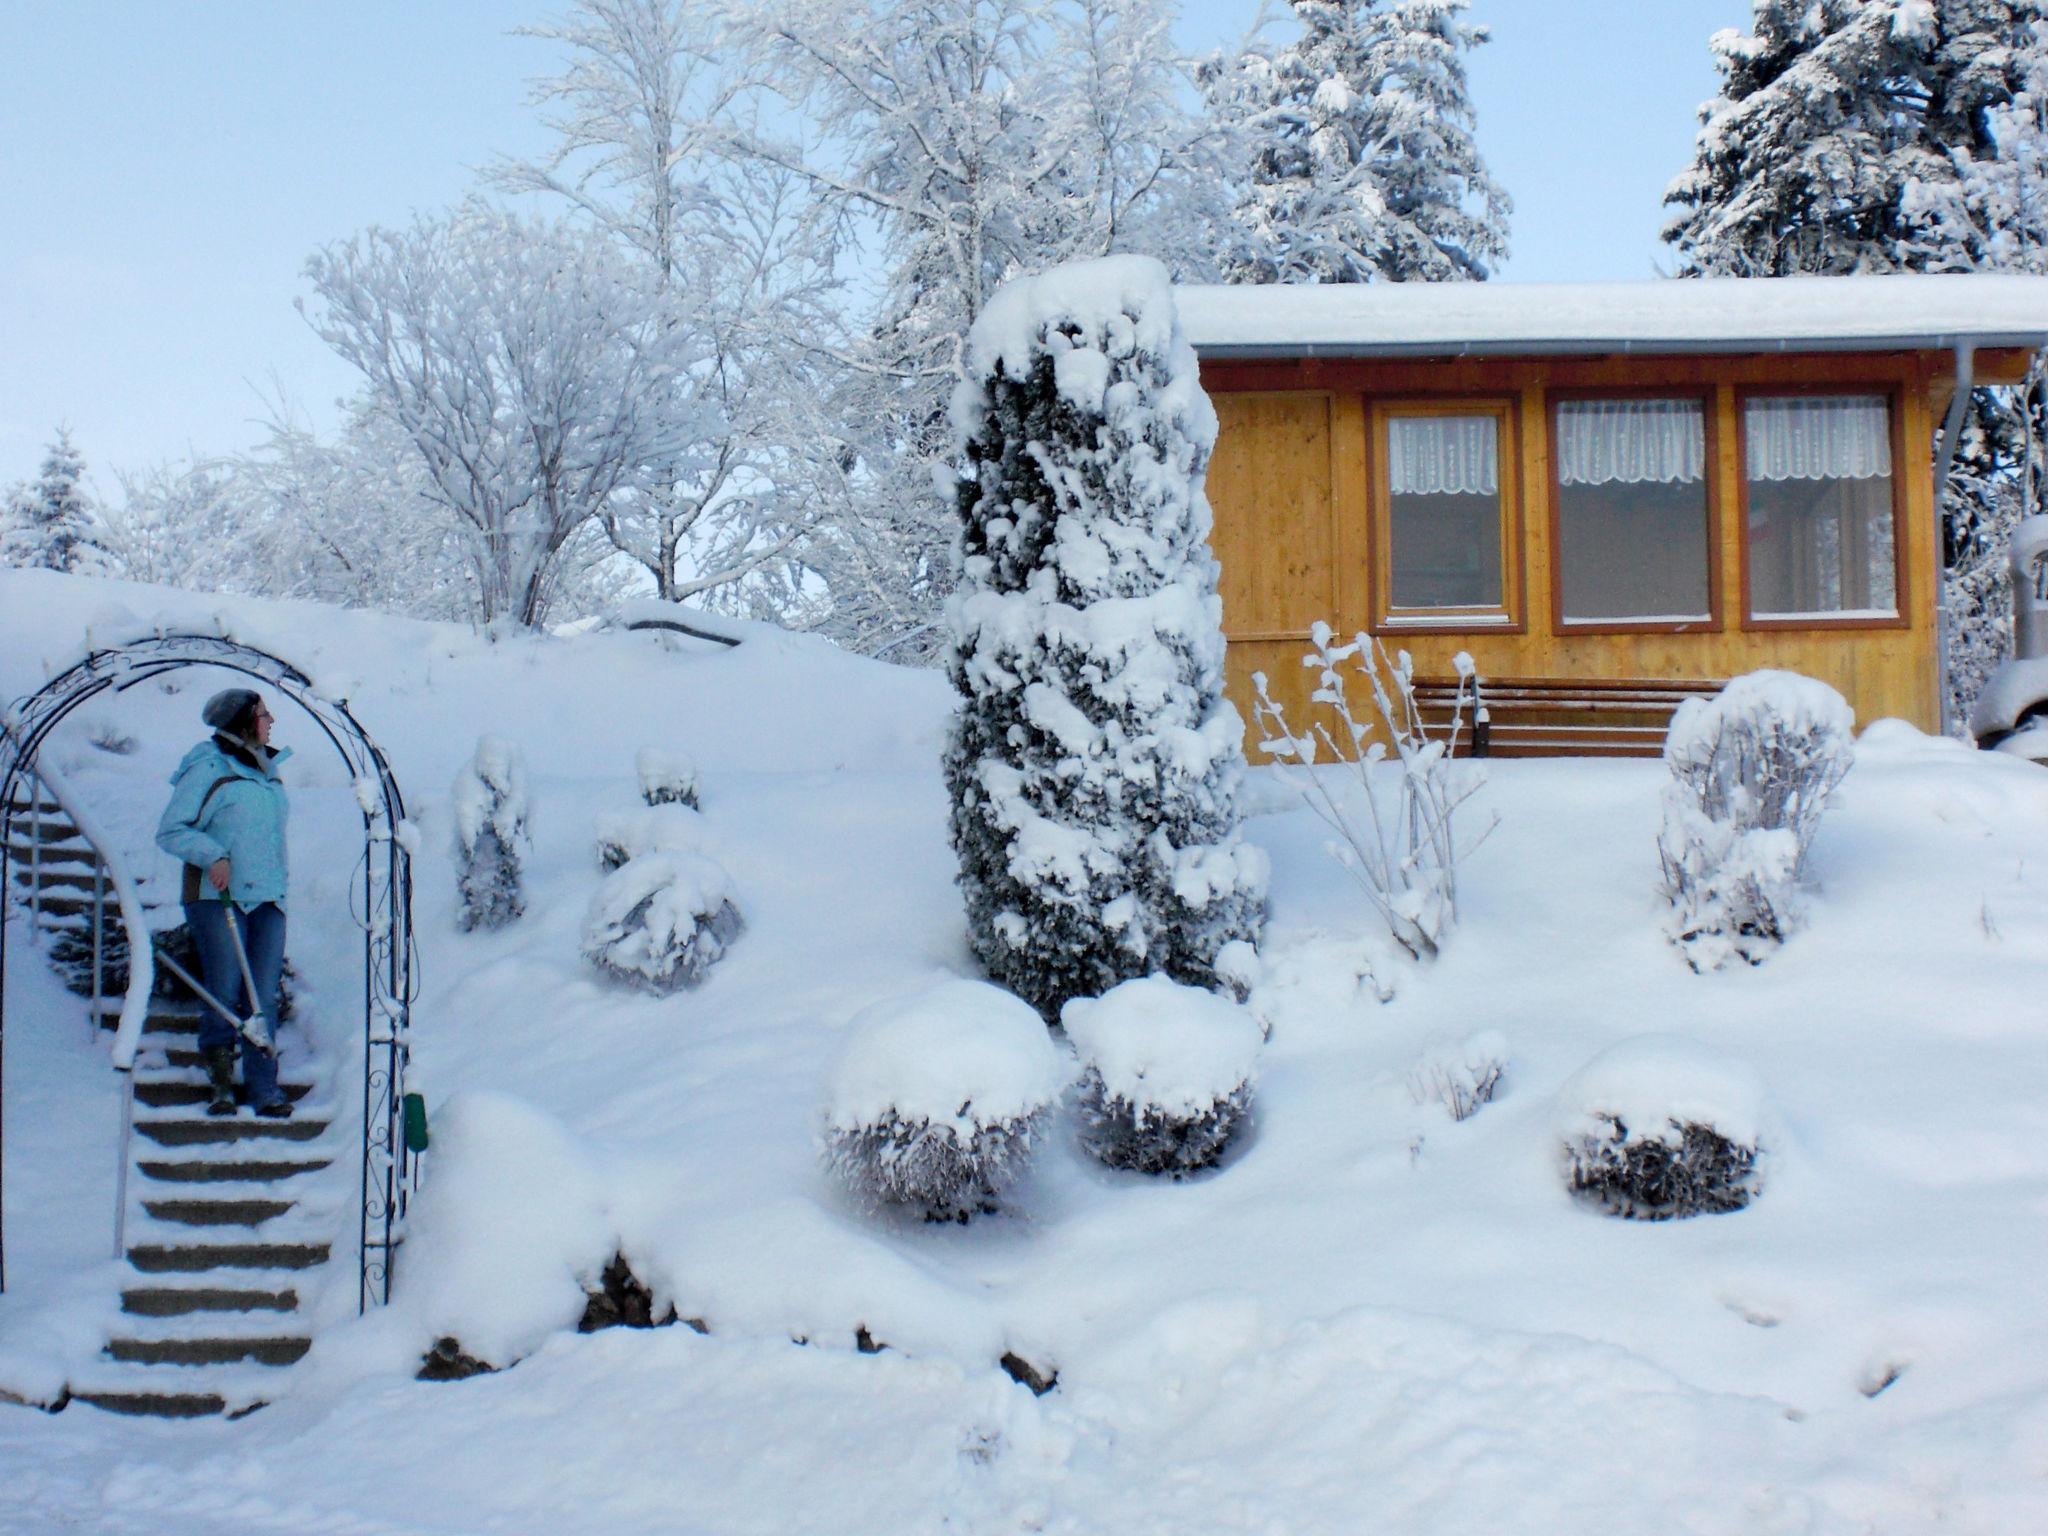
(1752,770)
(490,834)
(1399,841)
(666,778)
(937,1099)
(666,828)
(1167,1073)
(1093,763)
(661,920)
(1659,1127)
(1460,1077)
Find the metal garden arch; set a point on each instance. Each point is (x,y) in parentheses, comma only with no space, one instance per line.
(380,896)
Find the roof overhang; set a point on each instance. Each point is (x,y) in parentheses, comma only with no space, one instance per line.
(1891,313)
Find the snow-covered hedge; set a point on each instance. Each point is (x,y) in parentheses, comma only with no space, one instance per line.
(666,778)
(1093,764)
(661,920)
(490,832)
(937,1099)
(1660,1127)
(1461,1077)
(665,828)
(1752,770)
(1167,1074)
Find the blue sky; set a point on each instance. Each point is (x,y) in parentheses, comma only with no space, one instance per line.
(166,169)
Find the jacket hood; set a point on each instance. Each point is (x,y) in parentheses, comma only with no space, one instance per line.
(207,752)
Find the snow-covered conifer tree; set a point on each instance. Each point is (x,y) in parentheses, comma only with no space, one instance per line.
(52,525)
(1361,160)
(1093,762)
(490,834)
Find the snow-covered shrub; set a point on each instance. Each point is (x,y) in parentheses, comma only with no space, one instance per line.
(1167,1073)
(1752,770)
(1399,841)
(1460,1077)
(1093,763)
(1660,1127)
(661,920)
(666,778)
(490,834)
(666,828)
(937,1099)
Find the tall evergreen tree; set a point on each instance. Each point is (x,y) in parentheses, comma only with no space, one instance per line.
(1362,165)
(52,525)
(1094,762)
(1833,120)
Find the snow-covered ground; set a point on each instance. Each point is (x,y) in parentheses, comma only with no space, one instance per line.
(1369,1318)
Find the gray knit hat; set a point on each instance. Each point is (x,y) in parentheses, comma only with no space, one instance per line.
(232,711)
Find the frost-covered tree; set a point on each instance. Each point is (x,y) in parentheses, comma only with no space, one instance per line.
(961,142)
(51,524)
(643,113)
(528,369)
(1358,157)
(661,920)
(1093,762)
(490,834)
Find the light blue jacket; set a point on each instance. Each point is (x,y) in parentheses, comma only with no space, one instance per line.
(224,808)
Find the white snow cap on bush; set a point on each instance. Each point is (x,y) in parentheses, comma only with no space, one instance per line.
(1647,1082)
(1128,300)
(663,828)
(666,777)
(1798,704)
(961,1053)
(650,914)
(507,1235)
(1162,1045)
(490,793)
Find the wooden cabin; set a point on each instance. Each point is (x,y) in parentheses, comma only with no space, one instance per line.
(1611,496)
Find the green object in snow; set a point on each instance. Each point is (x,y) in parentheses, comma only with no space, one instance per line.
(415,1109)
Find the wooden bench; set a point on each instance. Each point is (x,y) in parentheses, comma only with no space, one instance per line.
(1562,716)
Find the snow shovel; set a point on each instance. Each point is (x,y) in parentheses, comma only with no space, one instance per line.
(248,1026)
(250,1029)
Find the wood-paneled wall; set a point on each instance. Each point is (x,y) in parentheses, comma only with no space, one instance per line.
(1290,488)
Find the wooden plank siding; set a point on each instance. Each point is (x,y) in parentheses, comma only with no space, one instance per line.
(1291,485)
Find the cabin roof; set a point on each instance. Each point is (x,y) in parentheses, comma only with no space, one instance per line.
(1895,312)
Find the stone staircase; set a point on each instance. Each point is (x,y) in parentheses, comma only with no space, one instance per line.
(226,1224)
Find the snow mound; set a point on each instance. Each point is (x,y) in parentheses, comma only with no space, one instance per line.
(661,920)
(961,1054)
(1163,1046)
(1461,1076)
(671,827)
(666,778)
(1659,1126)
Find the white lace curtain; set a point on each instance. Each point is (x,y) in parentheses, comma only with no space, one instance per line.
(1631,441)
(1444,455)
(1818,437)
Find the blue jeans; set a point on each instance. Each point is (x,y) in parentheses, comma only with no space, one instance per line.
(262,930)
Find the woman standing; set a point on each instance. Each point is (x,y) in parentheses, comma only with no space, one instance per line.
(226,823)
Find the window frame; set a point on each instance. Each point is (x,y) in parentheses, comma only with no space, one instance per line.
(1716,620)
(1509,617)
(1893,395)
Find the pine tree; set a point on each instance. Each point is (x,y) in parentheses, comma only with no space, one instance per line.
(1362,164)
(52,525)
(1093,762)
(1836,124)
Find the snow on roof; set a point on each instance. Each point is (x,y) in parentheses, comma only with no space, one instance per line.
(1715,314)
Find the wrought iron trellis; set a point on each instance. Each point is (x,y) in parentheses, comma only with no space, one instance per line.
(380,894)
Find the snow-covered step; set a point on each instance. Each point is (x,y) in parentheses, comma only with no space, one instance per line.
(216,1213)
(172,1391)
(185,1300)
(188,1131)
(231,1162)
(195,1258)
(212,1349)
(182,1090)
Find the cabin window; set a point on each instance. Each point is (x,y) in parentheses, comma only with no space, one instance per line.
(1822,540)
(1444,508)
(1632,512)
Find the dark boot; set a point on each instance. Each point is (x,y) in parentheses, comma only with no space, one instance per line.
(220,1077)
